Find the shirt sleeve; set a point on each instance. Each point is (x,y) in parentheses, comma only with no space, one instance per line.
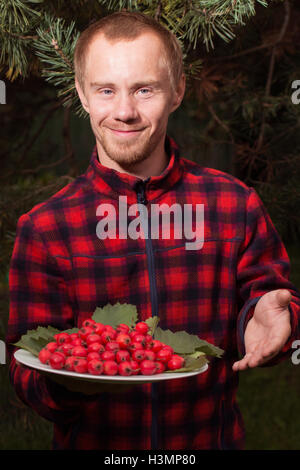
(263,266)
(38,297)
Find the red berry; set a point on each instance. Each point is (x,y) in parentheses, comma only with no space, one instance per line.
(107,336)
(52,346)
(80,365)
(164,355)
(142,327)
(108,356)
(112,346)
(96,347)
(147,367)
(138,355)
(160,367)
(79,351)
(57,360)
(139,338)
(66,348)
(85,331)
(166,346)
(157,345)
(93,355)
(122,355)
(135,367)
(98,328)
(92,338)
(124,340)
(44,356)
(124,368)
(122,328)
(176,362)
(62,338)
(150,355)
(110,367)
(88,322)
(95,367)
(134,346)
(69,364)
(77,341)
(73,336)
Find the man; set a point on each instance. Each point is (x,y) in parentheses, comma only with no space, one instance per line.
(233,292)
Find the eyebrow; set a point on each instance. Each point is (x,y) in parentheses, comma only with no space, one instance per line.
(153,83)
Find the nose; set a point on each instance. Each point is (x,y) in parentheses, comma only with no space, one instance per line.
(125,109)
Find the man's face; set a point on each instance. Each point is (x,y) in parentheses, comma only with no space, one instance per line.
(128,94)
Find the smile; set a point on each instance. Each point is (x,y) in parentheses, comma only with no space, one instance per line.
(126,133)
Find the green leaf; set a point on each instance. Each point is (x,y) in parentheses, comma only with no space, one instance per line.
(152,322)
(115,314)
(185,343)
(35,340)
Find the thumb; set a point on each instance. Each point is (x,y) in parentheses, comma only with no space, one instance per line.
(283,297)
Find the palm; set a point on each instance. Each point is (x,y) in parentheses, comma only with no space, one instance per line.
(268,330)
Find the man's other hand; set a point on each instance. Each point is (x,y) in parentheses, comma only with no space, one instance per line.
(268,330)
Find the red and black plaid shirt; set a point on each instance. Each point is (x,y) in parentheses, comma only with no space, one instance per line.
(61,271)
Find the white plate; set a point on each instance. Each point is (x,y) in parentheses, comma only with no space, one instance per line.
(29,360)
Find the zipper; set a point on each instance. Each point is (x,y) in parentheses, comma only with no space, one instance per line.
(141,197)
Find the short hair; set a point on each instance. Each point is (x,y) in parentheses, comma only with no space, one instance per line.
(129,25)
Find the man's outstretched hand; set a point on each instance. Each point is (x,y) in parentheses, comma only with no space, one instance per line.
(268,330)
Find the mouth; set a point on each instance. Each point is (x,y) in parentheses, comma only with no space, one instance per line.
(128,133)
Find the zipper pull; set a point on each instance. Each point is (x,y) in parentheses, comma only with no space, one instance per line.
(141,196)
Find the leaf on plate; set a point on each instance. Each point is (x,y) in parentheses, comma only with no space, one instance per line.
(115,314)
(185,343)
(152,322)
(35,340)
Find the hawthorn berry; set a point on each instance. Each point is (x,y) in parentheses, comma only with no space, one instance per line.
(142,327)
(52,346)
(138,355)
(57,360)
(164,355)
(176,362)
(110,367)
(44,356)
(79,351)
(125,368)
(124,340)
(95,367)
(108,356)
(80,365)
(69,364)
(96,347)
(122,355)
(147,367)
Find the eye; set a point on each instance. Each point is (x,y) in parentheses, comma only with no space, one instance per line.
(106,92)
(144,91)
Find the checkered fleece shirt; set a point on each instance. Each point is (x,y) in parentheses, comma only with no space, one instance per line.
(61,271)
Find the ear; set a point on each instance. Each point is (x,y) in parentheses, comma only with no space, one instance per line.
(82,97)
(179,94)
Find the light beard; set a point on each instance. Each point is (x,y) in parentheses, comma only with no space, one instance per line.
(127,153)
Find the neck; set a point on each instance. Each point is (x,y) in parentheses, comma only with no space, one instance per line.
(153,165)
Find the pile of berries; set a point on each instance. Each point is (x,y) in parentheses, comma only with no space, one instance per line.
(101,349)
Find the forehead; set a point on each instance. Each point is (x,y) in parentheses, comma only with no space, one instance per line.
(146,54)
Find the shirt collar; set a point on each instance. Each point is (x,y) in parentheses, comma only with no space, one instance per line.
(113,183)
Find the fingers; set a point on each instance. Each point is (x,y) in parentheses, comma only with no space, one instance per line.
(254,359)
